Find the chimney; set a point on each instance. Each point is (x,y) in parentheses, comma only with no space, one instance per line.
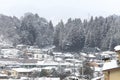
(117,50)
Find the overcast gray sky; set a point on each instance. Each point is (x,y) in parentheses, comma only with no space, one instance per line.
(56,10)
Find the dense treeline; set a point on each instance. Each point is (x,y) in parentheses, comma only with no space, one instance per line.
(98,32)
(74,35)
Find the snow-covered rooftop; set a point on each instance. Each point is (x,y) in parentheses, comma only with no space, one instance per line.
(46,78)
(108,52)
(22,70)
(117,48)
(47,63)
(91,55)
(68,55)
(83,54)
(97,78)
(57,53)
(58,59)
(9,51)
(73,60)
(110,65)
(3,75)
(49,67)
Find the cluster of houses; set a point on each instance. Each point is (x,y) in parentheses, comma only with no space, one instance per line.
(28,62)
(32,63)
(111,67)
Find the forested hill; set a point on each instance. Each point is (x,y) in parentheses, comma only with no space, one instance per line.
(30,29)
(103,33)
(74,35)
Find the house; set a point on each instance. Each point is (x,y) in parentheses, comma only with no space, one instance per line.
(27,63)
(68,56)
(47,63)
(15,63)
(34,50)
(21,72)
(3,77)
(111,68)
(40,56)
(21,46)
(10,53)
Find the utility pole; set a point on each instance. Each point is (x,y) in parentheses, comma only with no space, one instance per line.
(82,70)
(74,64)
